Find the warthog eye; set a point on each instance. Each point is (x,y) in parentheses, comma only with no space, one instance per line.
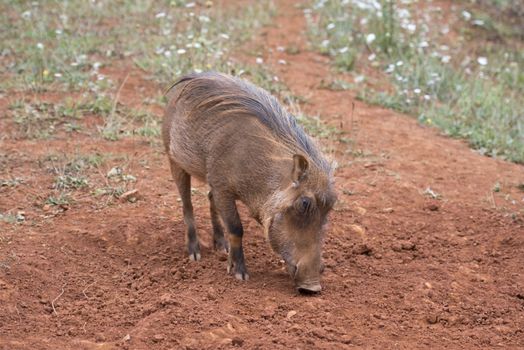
(305,205)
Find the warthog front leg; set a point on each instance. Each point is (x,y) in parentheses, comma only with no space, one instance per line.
(226,207)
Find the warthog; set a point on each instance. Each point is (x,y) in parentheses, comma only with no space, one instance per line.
(240,140)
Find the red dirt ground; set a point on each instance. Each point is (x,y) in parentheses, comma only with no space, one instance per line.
(402,270)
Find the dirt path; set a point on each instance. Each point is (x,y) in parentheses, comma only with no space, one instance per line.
(403,270)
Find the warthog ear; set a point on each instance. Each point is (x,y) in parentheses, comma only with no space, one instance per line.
(300,166)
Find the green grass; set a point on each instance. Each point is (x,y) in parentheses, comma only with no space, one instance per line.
(73,47)
(439,82)
(64,45)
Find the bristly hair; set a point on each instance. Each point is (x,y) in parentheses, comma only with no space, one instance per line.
(220,94)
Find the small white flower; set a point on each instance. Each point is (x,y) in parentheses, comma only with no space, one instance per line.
(58,75)
(281,48)
(198,70)
(190,4)
(58,32)
(160,15)
(482,61)
(445,59)
(399,63)
(181,51)
(427,97)
(40,46)
(324,43)
(466,15)
(390,68)
(282,62)
(26,14)
(412,27)
(344,49)
(423,44)
(417,91)
(259,60)
(330,26)
(204,19)
(372,57)
(478,22)
(370,38)
(359,79)
(167,53)
(224,36)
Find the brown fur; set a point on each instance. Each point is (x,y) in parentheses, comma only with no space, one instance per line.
(238,138)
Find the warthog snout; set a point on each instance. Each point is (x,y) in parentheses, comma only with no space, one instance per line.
(306,276)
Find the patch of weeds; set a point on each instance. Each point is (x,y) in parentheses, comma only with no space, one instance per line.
(292,49)
(118,183)
(68,182)
(109,191)
(336,85)
(431,193)
(42,119)
(316,127)
(263,77)
(201,39)
(64,45)
(13,218)
(476,94)
(61,200)
(11,182)
(70,175)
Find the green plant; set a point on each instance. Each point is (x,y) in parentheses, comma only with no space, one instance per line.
(477,98)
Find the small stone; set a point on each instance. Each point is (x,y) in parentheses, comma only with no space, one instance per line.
(432,319)
(166,299)
(432,207)
(408,246)
(48,309)
(130,196)
(397,247)
(236,341)
(291,313)
(362,249)
(387,210)
(127,337)
(158,338)
(99,337)
(360,210)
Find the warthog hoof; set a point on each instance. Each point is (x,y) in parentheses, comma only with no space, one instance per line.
(221,245)
(194,251)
